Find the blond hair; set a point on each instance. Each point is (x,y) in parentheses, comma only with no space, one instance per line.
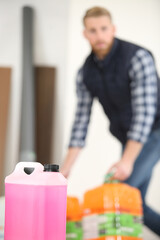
(96,12)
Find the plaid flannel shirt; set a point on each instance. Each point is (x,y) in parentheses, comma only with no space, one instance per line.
(143,86)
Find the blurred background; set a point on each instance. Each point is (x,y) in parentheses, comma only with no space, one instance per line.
(59,49)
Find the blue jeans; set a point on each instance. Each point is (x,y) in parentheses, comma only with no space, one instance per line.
(141,176)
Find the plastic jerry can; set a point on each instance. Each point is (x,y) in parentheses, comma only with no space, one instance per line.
(74,229)
(35,204)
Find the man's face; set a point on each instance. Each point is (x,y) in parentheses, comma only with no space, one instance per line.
(100,32)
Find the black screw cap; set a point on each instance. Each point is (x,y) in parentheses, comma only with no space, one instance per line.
(51,168)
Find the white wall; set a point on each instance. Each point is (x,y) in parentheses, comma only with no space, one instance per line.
(137,21)
(50,30)
(58,41)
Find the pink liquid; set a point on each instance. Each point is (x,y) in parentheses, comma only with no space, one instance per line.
(35,212)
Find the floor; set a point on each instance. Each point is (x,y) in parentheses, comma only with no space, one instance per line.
(148,235)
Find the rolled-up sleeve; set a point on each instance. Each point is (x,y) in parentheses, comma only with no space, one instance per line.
(143,95)
(82,114)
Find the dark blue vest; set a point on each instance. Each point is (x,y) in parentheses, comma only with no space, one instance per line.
(108,80)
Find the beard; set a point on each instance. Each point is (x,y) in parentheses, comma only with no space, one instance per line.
(101,48)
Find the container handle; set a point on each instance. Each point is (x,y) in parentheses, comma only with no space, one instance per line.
(38,167)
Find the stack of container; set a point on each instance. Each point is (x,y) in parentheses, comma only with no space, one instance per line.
(74,219)
(112,211)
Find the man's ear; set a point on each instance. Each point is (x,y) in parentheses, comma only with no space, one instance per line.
(114,29)
(85,33)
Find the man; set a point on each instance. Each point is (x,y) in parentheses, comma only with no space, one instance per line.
(123,77)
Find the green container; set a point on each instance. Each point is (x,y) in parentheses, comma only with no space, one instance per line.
(119,224)
(74,230)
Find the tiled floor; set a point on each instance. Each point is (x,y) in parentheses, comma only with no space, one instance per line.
(148,235)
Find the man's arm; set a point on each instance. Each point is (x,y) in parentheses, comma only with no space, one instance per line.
(80,125)
(72,155)
(144,104)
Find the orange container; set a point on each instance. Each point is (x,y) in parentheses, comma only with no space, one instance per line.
(74,209)
(117,238)
(74,219)
(113,197)
(112,211)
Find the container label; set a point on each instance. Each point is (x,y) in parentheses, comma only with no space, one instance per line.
(112,224)
(74,230)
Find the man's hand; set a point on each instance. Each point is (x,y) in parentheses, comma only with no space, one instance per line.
(123,168)
(65,170)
